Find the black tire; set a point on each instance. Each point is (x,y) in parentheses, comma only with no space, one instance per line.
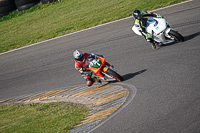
(24,2)
(7,8)
(4,14)
(115,75)
(47,1)
(6,2)
(25,7)
(177,37)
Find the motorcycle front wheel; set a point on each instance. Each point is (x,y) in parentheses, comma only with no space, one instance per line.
(177,36)
(114,75)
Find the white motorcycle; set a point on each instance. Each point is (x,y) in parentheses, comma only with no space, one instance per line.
(161,31)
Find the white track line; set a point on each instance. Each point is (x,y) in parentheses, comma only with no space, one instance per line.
(88,29)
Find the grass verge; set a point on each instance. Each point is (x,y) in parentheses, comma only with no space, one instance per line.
(40,118)
(43,22)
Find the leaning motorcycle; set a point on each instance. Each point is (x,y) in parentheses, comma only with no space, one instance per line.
(161,31)
(100,70)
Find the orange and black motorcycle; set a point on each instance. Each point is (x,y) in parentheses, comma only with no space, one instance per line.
(100,69)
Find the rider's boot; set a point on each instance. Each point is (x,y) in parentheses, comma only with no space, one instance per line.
(152,43)
(153,46)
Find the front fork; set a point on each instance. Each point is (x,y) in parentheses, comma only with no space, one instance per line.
(166,33)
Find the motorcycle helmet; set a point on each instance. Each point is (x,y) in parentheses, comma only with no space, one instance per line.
(78,55)
(137,14)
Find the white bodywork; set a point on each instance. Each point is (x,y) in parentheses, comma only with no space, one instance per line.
(159,28)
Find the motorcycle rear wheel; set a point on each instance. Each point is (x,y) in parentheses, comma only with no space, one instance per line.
(115,75)
(177,36)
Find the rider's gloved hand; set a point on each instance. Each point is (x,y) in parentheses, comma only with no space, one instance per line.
(140,30)
(83,69)
(159,16)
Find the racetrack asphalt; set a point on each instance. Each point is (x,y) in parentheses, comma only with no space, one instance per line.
(167,79)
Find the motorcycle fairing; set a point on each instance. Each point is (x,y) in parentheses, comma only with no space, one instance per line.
(156,25)
(97,66)
(160,29)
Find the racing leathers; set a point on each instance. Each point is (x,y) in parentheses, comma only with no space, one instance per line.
(82,68)
(141,25)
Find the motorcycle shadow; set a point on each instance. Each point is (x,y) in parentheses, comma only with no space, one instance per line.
(129,76)
(191,36)
(168,44)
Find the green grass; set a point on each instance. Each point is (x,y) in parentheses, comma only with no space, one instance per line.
(43,22)
(40,118)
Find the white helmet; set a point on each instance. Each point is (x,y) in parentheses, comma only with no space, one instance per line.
(78,55)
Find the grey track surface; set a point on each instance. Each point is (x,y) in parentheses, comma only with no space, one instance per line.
(167,79)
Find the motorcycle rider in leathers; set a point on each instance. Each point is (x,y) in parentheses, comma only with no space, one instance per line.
(80,61)
(141,24)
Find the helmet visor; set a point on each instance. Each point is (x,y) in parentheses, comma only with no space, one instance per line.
(81,58)
(139,16)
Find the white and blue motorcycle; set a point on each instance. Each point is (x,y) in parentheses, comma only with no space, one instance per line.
(161,31)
